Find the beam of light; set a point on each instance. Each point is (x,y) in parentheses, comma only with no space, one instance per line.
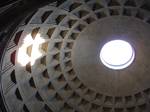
(117,54)
(23,58)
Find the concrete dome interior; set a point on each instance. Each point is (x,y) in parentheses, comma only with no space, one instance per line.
(51,61)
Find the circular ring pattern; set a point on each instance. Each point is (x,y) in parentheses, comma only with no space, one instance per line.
(50,84)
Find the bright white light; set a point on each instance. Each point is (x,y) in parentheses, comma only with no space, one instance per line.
(35,49)
(117,54)
(22,57)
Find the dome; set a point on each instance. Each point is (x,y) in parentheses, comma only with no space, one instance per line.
(56,60)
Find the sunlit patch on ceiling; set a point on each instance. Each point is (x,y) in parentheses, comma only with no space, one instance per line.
(29,50)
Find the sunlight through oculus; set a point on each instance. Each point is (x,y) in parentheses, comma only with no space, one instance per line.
(117,54)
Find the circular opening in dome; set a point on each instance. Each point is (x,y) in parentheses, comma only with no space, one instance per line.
(117,54)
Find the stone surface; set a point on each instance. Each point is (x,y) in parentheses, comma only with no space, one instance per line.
(93,73)
(67,75)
